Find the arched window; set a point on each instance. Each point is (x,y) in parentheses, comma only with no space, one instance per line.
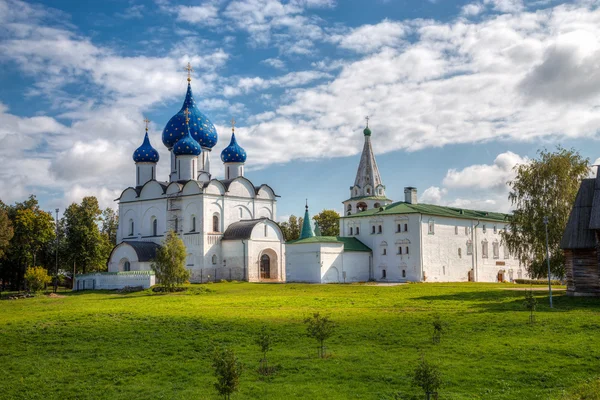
(383,274)
(405,227)
(404,273)
(154,227)
(431,229)
(215,226)
(214,259)
(176,224)
(373,229)
(399,228)
(126,266)
(380,229)
(459,252)
(406,249)
(241,212)
(496,250)
(469,247)
(351,231)
(266,231)
(131,227)
(193,224)
(377,205)
(400,250)
(357,230)
(384,252)
(483,228)
(484,249)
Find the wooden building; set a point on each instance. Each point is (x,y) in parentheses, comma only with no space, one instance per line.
(581,240)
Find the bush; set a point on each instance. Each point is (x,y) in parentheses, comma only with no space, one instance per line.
(537,282)
(37,278)
(428,377)
(169,264)
(320,328)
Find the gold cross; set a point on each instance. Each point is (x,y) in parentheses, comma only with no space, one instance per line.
(187,115)
(189,70)
(367,118)
(147,121)
(232,125)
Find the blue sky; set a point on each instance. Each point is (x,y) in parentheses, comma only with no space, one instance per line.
(458,92)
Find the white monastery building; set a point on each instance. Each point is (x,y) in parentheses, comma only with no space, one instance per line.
(228,225)
(404,241)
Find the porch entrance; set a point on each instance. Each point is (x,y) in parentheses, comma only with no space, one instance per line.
(265,267)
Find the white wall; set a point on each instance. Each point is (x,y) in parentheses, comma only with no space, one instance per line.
(111,281)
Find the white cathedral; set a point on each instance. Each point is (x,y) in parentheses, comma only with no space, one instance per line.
(229,230)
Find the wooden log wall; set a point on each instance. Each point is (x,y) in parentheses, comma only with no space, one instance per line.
(582,267)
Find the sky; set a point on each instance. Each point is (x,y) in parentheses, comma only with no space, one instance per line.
(458,92)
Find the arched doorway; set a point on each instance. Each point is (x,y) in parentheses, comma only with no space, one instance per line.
(265,267)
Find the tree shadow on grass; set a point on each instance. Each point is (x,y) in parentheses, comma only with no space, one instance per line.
(509,300)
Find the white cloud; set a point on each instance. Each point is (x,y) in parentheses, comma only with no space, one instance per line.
(505,6)
(433,195)
(369,38)
(274,62)
(206,14)
(293,79)
(486,176)
(472,9)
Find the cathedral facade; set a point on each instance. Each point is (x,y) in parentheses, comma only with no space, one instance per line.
(227,225)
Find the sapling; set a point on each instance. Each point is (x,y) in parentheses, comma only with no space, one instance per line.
(438,329)
(320,328)
(427,376)
(264,341)
(530,304)
(228,370)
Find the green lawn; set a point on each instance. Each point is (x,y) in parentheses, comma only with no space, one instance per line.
(154,346)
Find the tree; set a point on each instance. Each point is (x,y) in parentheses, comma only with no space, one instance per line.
(530,304)
(264,341)
(33,232)
(169,265)
(544,187)
(87,246)
(329,222)
(320,328)
(37,278)
(291,228)
(110,225)
(6,231)
(428,377)
(228,370)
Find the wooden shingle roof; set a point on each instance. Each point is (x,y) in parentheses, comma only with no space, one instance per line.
(578,234)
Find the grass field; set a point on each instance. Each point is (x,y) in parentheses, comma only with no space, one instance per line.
(152,346)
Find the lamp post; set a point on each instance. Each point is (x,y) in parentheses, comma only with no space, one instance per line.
(548,260)
(56,253)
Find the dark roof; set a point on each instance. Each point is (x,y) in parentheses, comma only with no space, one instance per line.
(402,207)
(241,229)
(595,217)
(578,234)
(350,243)
(146,251)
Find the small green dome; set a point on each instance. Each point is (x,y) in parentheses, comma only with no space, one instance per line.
(367,131)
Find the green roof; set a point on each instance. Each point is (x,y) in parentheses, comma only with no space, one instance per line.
(350,243)
(402,207)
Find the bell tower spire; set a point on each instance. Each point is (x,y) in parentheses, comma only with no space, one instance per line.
(368,190)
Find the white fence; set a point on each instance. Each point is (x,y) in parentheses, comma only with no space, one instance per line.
(114,280)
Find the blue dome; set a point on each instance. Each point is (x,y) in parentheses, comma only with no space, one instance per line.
(186,146)
(145,153)
(234,152)
(201,129)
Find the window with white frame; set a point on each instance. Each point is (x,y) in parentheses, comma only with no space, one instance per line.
(399,229)
(484,249)
(373,229)
(131,227)
(214,259)
(469,247)
(154,226)
(496,250)
(351,231)
(483,228)
(357,230)
(400,250)
(405,227)
(459,252)
(380,229)
(431,227)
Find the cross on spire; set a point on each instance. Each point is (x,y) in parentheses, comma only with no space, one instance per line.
(187,116)
(367,119)
(232,124)
(147,122)
(306,206)
(189,70)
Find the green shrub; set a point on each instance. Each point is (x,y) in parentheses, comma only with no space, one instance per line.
(228,370)
(37,278)
(537,282)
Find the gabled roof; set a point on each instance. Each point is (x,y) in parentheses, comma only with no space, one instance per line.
(578,233)
(350,243)
(402,207)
